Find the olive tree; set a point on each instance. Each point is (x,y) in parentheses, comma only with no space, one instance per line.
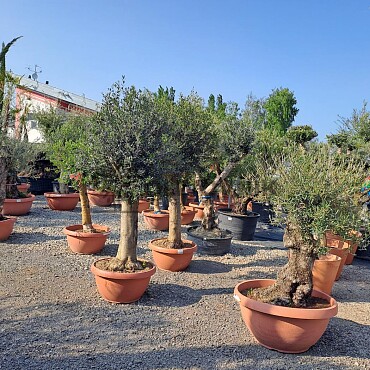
(316,190)
(126,140)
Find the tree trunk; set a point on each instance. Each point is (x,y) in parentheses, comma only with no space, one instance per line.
(63,188)
(198,185)
(156,204)
(85,209)
(3,173)
(126,258)
(209,218)
(174,229)
(293,285)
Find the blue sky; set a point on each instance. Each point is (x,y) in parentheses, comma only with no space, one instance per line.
(319,49)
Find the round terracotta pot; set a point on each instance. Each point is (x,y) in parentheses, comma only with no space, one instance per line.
(217,205)
(62,202)
(342,253)
(284,329)
(100,198)
(199,209)
(121,287)
(324,272)
(86,243)
(6,227)
(18,207)
(143,205)
(333,240)
(170,259)
(156,221)
(187,216)
(23,187)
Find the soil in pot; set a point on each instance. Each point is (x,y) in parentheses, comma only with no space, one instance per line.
(86,242)
(156,221)
(214,242)
(171,259)
(284,329)
(121,287)
(6,227)
(242,227)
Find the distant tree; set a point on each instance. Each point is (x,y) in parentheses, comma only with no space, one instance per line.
(301,134)
(280,110)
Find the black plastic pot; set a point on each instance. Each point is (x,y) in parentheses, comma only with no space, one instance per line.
(242,227)
(211,246)
(264,210)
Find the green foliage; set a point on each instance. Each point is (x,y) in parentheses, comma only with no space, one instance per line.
(319,191)
(301,134)
(280,110)
(126,139)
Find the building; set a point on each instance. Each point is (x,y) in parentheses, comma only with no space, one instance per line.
(32,95)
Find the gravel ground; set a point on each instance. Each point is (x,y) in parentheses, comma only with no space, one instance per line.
(53,318)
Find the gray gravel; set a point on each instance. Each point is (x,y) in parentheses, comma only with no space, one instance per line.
(53,318)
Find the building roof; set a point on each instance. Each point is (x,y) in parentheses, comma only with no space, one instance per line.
(56,93)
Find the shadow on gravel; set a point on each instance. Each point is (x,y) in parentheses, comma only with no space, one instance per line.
(174,295)
(208,267)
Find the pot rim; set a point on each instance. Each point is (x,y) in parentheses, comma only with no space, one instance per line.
(190,229)
(196,205)
(187,250)
(97,192)
(230,213)
(70,230)
(57,195)
(299,313)
(9,219)
(150,213)
(29,198)
(122,275)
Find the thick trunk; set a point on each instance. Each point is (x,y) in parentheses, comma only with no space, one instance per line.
(85,209)
(241,205)
(293,285)
(174,229)
(156,204)
(198,185)
(3,173)
(209,218)
(126,258)
(63,188)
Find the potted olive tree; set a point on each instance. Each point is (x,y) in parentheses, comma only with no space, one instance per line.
(316,191)
(132,128)
(186,146)
(232,137)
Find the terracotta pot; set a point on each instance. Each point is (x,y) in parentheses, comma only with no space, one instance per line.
(121,287)
(284,329)
(218,205)
(199,209)
(172,259)
(100,198)
(333,240)
(143,205)
(18,207)
(6,227)
(156,221)
(342,253)
(62,202)
(187,216)
(324,272)
(86,243)
(23,187)
(190,199)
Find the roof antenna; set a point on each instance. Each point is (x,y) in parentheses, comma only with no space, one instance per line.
(35,72)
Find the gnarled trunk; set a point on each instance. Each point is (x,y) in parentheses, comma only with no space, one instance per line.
(156,204)
(85,209)
(293,286)
(174,228)
(209,218)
